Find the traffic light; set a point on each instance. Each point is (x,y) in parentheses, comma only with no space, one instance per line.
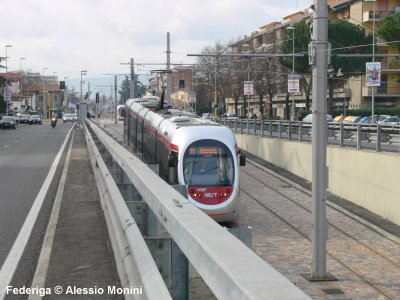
(153,92)
(97,97)
(86,95)
(181,83)
(62,85)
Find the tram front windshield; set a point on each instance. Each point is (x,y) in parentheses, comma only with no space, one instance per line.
(208,162)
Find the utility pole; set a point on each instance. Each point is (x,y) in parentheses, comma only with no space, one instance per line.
(319,60)
(116,101)
(132,90)
(373,60)
(168,91)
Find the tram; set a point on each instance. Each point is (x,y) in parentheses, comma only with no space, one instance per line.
(197,153)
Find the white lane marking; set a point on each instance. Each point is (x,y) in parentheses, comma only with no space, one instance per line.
(10,264)
(39,278)
(6,146)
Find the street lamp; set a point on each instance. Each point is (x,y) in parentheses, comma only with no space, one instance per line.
(7,46)
(20,64)
(44,102)
(65,96)
(292,29)
(247,111)
(54,73)
(84,72)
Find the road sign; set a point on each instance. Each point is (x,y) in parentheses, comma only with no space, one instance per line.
(293,83)
(192,97)
(373,73)
(7,93)
(248,87)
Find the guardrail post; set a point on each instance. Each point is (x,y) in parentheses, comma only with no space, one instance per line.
(290,130)
(280,129)
(270,128)
(248,126)
(241,126)
(358,136)
(262,127)
(300,131)
(180,264)
(378,137)
(180,274)
(153,226)
(255,127)
(341,140)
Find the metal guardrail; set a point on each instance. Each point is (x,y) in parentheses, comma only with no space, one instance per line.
(359,136)
(229,268)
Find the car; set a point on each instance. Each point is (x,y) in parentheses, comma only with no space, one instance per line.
(367,120)
(69,118)
(8,122)
(231,116)
(24,118)
(35,119)
(206,116)
(392,120)
(338,119)
(309,118)
(351,119)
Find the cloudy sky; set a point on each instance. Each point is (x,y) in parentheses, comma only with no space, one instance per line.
(67,36)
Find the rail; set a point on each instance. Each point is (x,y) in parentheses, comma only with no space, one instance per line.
(229,268)
(359,136)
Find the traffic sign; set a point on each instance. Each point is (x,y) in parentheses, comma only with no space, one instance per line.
(248,87)
(293,83)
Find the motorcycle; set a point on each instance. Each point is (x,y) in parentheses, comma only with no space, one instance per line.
(53,122)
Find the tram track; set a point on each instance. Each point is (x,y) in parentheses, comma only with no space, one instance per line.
(389,260)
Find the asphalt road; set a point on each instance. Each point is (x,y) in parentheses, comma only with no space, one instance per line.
(26,155)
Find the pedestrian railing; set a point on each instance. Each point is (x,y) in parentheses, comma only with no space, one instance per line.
(360,136)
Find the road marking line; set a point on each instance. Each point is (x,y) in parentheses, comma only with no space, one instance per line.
(6,146)
(14,256)
(39,279)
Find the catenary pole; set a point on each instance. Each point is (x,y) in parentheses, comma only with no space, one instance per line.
(319,137)
(168,90)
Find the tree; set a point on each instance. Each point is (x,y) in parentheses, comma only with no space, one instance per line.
(3,104)
(302,38)
(124,90)
(389,30)
(353,42)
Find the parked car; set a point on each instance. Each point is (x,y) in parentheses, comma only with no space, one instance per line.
(392,120)
(368,120)
(68,118)
(232,116)
(338,119)
(35,119)
(351,119)
(8,122)
(309,117)
(24,118)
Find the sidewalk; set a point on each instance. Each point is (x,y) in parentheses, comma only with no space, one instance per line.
(81,254)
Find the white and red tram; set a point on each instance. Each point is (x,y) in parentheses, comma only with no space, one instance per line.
(197,153)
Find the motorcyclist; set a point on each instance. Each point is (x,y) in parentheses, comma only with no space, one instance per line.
(54,120)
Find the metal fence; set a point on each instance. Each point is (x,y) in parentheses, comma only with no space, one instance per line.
(360,136)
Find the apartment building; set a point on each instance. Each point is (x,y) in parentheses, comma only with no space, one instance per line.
(353,93)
